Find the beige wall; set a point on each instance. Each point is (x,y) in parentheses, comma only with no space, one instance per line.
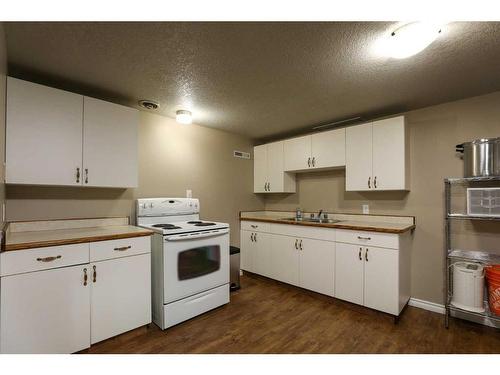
(3,86)
(172,158)
(434,131)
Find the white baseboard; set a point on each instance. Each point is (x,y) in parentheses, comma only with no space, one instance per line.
(426,305)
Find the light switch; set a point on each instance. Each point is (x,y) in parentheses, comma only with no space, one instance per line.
(366,209)
(189,193)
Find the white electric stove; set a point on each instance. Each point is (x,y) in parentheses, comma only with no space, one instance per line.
(190,259)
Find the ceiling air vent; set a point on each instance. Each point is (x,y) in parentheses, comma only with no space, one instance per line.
(149,104)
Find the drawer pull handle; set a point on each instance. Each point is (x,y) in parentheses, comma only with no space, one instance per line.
(48,259)
(364,238)
(254,226)
(122,248)
(95,274)
(85,277)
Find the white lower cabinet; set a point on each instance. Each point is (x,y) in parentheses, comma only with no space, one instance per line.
(45,311)
(75,300)
(118,298)
(349,273)
(366,268)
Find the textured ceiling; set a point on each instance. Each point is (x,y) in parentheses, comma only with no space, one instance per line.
(257,79)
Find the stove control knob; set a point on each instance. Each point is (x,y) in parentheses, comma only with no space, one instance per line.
(151,205)
(144,205)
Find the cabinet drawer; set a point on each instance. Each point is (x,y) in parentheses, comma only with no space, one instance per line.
(387,240)
(303,231)
(119,248)
(30,260)
(255,226)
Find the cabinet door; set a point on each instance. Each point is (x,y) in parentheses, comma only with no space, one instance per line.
(349,264)
(43,135)
(328,149)
(262,254)
(45,312)
(389,154)
(275,171)
(317,266)
(120,295)
(285,259)
(297,153)
(259,168)
(247,250)
(381,279)
(109,144)
(358,169)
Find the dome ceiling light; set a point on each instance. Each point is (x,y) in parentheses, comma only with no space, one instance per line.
(183,117)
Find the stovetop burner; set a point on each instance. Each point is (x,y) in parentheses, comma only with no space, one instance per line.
(195,222)
(166,226)
(203,224)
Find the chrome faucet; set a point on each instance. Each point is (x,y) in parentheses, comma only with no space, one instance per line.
(319,214)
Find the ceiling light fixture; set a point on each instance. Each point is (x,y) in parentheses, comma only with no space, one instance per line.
(409,39)
(183,117)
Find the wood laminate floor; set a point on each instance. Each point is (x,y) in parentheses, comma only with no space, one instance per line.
(266,316)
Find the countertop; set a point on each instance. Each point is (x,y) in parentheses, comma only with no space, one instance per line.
(372,223)
(28,239)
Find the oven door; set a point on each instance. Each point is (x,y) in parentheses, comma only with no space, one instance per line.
(195,262)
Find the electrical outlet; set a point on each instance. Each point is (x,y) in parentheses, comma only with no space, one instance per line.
(189,193)
(366,209)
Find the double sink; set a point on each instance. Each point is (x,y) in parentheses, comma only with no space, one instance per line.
(311,220)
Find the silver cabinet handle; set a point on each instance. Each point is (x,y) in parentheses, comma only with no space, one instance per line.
(366,255)
(364,238)
(94,274)
(296,246)
(86,175)
(375,182)
(254,226)
(309,162)
(85,277)
(77,174)
(255,237)
(359,254)
(268,186)
(48,259)
(314,161)
(369,184)
(122,248)
(300,245)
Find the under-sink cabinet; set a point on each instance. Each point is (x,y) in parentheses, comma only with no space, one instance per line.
(366,268)
(62,299)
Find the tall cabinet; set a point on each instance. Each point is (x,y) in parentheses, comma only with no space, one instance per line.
(377,156)
(55,137)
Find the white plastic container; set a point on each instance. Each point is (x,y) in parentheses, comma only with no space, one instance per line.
(483,202)
(468,286)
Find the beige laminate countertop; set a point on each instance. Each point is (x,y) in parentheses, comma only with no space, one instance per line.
(375,224)
(44,238)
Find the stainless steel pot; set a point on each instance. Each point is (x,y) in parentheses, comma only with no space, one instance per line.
(481,157)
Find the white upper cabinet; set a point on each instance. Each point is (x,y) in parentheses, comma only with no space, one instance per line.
(109,144)
(377,156)
(55,137)
(43,135)
(269,174)
(316,151)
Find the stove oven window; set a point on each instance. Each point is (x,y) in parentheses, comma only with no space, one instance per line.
(197,262)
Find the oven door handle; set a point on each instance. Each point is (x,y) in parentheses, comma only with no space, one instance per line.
(194,236)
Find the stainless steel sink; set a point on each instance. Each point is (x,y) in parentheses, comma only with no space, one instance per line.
(311,220)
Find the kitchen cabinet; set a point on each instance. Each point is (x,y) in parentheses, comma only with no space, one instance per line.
(43,135)
(46,311)
(255,252)
(377,156)
(349,273)
(285,259)
(376,277)
(269,174)
(119,297)
(62,299)
(317,265)
(109,144)
(317,151)
(55,137)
